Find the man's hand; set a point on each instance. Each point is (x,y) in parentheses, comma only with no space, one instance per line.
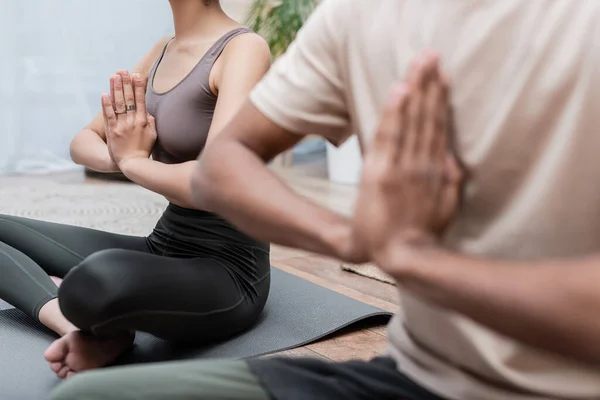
(411,180)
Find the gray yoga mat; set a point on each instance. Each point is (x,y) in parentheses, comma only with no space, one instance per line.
(298,312)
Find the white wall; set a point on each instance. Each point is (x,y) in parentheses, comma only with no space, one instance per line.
(344,163)
(55,59)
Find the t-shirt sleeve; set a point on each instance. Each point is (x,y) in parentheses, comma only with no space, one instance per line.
(303,92)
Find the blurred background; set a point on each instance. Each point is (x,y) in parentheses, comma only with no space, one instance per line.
(57,56)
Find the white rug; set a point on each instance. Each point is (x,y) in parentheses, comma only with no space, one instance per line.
(115,207)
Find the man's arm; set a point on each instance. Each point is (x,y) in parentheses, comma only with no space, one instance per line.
(233,180)
(552,305)
(410,191)
(303,93)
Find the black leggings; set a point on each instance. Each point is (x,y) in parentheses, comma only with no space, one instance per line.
(194,279)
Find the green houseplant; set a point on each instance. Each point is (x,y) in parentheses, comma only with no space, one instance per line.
(279,21)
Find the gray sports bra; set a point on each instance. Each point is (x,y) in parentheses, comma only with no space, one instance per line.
(184,113)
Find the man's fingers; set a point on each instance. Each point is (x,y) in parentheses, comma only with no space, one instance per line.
(455,172)
(444,138)
(139,88)
(414,68)
(119,97)
(443,121)
(389,137)
(435,108)
(108,112)
(456,175)
(418,79)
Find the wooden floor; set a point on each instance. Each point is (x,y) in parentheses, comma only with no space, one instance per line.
(364,343)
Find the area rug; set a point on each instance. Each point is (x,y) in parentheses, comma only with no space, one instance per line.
(122,208)
(116,207)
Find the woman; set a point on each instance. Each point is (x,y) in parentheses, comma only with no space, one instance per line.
(196,278)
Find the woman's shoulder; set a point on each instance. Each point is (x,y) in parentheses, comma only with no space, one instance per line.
(145,64)
(247,46)
(159,47)
(161,44)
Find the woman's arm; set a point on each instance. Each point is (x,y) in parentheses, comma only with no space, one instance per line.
(88,147)
(242,64)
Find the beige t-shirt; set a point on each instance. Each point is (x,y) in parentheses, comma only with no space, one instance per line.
(526,90)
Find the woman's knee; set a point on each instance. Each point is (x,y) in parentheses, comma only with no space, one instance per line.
(91,291)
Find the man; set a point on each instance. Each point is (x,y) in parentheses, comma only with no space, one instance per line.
(525,94)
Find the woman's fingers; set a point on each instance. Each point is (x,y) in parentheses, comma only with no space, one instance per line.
(112,90)
(109,113)
(102,107)
(139,88)
(120,107)
(128,95)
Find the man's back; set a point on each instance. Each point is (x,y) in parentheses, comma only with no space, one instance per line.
(527,96)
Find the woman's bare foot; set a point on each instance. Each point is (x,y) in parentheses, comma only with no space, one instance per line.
(76,352)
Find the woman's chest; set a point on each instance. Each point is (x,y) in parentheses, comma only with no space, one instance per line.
(183,118)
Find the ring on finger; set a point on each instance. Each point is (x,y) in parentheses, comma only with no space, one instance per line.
(131,107)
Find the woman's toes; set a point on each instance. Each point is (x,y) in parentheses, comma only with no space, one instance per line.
(62,374)
(56,366)
(57,351)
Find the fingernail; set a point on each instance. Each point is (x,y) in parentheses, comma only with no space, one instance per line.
(399,91)
(445,79)
(430,53)
(125,73)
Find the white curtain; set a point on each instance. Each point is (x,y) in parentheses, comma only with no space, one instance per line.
(56,57)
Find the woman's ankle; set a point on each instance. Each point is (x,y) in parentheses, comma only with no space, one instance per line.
(57,281)
(51,316)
